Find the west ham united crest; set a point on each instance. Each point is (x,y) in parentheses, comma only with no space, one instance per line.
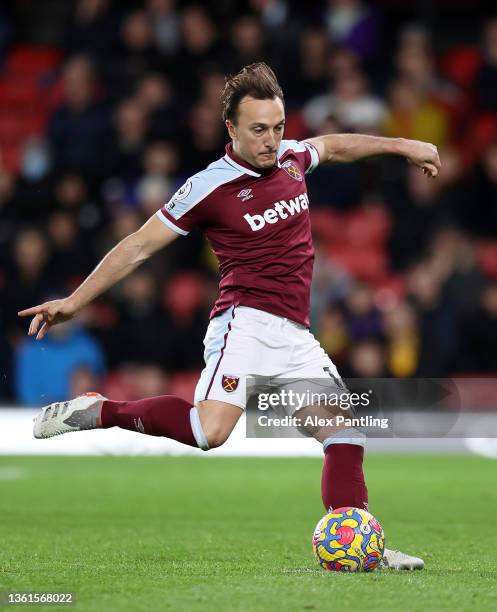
(230,383)
(290,168)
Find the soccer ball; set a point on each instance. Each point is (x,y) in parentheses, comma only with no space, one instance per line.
(348,540)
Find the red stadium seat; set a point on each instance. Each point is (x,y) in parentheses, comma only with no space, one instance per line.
(327,225)
(367,225)
(15,93)
(33,61)
(10,157)
(369,263)
(461,65)
(184,294)
(119,385)
(183,384)
(486,256)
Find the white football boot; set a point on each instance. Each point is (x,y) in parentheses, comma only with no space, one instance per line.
(77,414)
(394,559)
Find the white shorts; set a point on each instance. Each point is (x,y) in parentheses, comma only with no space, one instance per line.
(243,342)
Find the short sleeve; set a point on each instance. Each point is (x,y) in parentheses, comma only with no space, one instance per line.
(311,157)
(305,152)
(183,211)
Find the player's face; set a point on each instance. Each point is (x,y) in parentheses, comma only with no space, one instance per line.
(258,130)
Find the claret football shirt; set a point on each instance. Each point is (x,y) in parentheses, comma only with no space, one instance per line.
(257,222)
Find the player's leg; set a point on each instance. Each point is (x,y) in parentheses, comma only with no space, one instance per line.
(342,480)
(205,423)
(204,426)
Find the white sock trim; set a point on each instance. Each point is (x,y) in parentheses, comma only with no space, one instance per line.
(198,432)
(349,435)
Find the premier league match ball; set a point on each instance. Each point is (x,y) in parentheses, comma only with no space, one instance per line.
(348,540)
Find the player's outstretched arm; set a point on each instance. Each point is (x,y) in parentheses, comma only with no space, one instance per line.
(352,147)
(125,257)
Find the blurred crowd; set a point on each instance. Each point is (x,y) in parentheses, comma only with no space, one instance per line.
(106,119)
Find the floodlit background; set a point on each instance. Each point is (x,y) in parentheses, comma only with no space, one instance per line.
(107,107)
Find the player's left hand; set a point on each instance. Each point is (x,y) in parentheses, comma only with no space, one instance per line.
(423,155)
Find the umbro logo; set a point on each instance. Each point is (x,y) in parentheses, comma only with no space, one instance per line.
(245,194)
(139,425)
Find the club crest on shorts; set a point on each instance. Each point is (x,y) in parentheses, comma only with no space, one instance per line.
(229,383)
(290,168)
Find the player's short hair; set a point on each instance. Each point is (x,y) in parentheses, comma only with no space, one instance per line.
(255,80)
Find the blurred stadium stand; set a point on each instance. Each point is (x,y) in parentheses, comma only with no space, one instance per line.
(106,107)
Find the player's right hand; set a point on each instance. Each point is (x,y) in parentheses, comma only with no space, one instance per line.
(47,315)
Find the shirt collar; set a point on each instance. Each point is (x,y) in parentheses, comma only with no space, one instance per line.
(235,160)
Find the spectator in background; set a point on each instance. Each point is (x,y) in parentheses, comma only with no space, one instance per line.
(419,210)
(306,76)
(165,25)
(402,340)
(479,334)
(415,63)
(412,115)
(78,128)
(27,276)
(333,334)
(453,257)
(439,331)
(136,55)
(335,185)
(206,138)
(129,141)
(366,360)
(43,373)
(362,317)
(212,84)
(71,257)
(5,364)
(353,24)
(84,380)
(155,94)
(330,282)
(71,194)
(282,25)
(201,50)
(184,304)
(141,333)
(350,103)
(160,180)
(93,29)
(487,77)
(8,213)
(483,194)
(247,42)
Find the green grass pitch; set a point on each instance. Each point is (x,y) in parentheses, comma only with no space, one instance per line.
(200,533)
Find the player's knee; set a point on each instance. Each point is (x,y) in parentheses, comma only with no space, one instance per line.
(215,434)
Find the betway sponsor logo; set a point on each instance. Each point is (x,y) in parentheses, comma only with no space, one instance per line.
(280,210)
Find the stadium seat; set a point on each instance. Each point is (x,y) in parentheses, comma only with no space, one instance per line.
(32,60)
(367,225)
(486,256)
(183,384)
(369,263)
(184,294)
(10,157)
(461,65)
(327,225)
(119,385)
